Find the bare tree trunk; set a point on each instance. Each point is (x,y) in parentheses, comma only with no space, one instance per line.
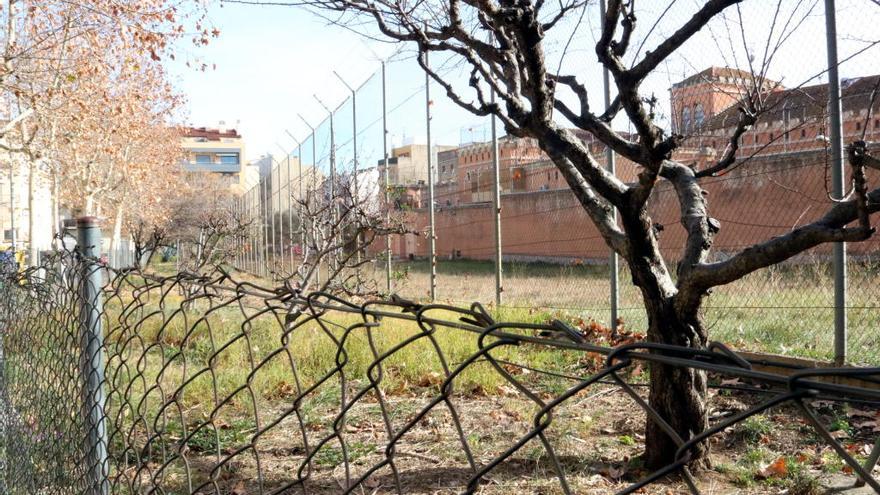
(90,205)
(33,252)
(117,237)
(56,215)
(677,394)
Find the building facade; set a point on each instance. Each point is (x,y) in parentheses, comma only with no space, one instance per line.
(780,179)
(218,151)
(16,207)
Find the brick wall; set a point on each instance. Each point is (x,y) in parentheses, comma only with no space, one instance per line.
(765,197)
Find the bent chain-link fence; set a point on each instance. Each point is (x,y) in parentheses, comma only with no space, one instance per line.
(217,385)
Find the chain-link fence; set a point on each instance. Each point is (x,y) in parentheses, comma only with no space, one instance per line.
(494,221)
(120,381)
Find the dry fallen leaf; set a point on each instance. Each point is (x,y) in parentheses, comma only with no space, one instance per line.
(778,468)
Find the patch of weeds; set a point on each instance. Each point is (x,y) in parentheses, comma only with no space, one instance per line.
(841,423)
(742,472)
(801,482)
(333,456)
(753,428)
(754,456)
(554,386)
(831,462)
(328,456)
(738,475)
(205,438)
(626,440)
(535,453)
(474,440)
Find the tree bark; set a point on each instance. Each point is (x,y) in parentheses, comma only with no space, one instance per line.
(677,394)
(33,252)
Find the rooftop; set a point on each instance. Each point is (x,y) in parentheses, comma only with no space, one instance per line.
(722,75)
(209,134)
(807,102)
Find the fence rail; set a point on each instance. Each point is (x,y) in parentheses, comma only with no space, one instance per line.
(211,384)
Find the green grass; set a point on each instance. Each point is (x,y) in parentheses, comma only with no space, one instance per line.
(785,309)
(224,364)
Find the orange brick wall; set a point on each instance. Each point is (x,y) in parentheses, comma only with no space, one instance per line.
(757,201)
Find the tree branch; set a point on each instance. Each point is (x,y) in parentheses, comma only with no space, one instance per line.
(830,228)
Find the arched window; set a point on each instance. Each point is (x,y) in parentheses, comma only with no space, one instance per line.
(686,119)
(699,116)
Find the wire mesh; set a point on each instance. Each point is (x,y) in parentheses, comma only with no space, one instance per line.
(767,58)
(217,385)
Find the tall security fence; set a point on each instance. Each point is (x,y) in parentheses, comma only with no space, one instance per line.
(492,220)
(122,381)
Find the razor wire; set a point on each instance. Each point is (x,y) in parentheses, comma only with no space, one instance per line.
(216,384)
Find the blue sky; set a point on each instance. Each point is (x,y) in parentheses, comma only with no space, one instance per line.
(271,60)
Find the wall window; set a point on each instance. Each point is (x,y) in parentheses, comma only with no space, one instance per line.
(699,116)
(876,123)
(203,159)
(229,159)
(686,119)
(803,133)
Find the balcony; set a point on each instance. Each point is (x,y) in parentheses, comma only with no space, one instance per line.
(212,167)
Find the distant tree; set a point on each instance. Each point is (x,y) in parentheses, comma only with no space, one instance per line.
(338,235)
(501,43)
(205,223)
(55,55)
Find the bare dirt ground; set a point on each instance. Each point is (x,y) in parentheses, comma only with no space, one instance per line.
(596,437)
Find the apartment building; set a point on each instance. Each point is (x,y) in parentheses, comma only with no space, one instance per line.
(219,151)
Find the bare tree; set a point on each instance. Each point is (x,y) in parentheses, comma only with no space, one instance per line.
(501,43)
(206,224)
(337,232)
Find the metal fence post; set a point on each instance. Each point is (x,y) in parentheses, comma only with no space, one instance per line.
(313,184)
(836,132)
(290,216)
(92,357)
(614,269)
(270,214)
(301,199)
(496,205)
(432,239)
(280,243)
(387,182)
(264,211)
(250,222)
